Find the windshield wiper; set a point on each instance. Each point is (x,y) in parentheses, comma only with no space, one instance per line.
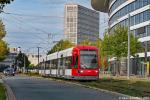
(84,65)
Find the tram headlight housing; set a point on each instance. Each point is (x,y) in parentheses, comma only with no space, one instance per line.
(81,71)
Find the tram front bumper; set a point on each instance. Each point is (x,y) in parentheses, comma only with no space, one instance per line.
(85,77)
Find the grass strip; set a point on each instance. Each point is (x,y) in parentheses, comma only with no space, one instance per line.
(128,87)
(2,92)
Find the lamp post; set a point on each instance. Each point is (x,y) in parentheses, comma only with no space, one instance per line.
(24,63)
(128,76)
(18,52)
(145,58)
(38,57)
(128,63)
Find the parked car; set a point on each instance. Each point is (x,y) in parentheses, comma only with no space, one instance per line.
(9,72)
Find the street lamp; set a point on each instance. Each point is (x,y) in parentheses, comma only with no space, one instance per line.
(38,57)
(18,52)
(24,66)
(128,63)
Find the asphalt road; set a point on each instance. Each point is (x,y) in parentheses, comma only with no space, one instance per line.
(26,88)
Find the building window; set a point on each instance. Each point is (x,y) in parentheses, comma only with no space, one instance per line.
(141,32)
(148,30)
(129,8)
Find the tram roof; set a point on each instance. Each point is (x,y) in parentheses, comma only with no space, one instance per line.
(67,52)
(59,54)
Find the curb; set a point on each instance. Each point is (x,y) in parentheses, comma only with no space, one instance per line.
(9,93)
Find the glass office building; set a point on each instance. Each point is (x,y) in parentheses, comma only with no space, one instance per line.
(80,23)
(120,10)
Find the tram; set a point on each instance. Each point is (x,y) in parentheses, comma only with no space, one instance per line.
(78,63)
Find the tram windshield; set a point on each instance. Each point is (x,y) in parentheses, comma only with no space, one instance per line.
(88,59)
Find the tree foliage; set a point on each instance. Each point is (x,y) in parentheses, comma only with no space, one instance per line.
(86,42)
(3,50)
(2,30)
(31,66)
(3,44)
(4,2)
(61,45)
(116,44)
(20,60)
(106,45)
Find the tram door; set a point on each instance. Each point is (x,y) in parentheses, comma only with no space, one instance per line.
(75,61)
(61,66)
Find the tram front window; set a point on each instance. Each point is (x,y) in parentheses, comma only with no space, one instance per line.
(88,59)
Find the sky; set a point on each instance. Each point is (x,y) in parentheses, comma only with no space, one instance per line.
(33,23)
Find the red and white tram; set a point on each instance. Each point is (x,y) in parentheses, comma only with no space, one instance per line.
(80,62)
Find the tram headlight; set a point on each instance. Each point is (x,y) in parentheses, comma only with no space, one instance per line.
(96,71)
(81,71)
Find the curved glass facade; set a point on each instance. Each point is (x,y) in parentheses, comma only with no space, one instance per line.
(127,9)
(116,4)
(141,15)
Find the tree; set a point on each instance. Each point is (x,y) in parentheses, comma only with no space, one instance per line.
(61,45)
(4,2)
(31,66)
(106,46)
(86,42)
(2,30)
(3,44)
(98,44)
(20,60)
(116,44)
(3,50)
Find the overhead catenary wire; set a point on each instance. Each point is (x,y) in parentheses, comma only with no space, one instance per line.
(32,27)
(29,15)
(27,42)
(25,30)
(20,22)
(21,17)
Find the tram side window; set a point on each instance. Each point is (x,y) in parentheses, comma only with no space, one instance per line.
(76,62)
(61,61)
(54,64)
(68,62)
(47,65)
